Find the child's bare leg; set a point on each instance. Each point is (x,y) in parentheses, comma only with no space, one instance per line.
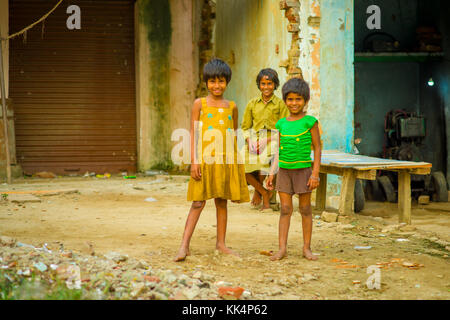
(259,188)
(306,212)
(222,215)
(191,222)
(285,222)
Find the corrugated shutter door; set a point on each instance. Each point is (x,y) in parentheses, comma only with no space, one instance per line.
(73,91)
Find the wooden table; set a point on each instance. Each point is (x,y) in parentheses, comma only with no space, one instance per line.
(352,167)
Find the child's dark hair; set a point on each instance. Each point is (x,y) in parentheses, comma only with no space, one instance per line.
(216,68)
(298,86)
(271,74)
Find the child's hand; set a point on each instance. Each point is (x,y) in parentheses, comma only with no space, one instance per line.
(196,172)
(313,182)
(269,182)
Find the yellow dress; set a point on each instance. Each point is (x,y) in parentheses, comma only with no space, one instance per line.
(223,172)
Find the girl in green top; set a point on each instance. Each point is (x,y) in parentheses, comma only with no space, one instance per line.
(297,134)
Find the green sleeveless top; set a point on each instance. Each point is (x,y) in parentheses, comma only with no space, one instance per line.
(295,142)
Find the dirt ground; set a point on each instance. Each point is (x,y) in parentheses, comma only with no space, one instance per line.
(112,214)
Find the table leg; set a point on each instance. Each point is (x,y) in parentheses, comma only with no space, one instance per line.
(404,196)
(347,192)
(321,192)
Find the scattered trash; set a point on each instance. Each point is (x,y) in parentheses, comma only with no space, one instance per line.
(40,266)
(402,240)
(150,199)
(103,176)
(362,247)
(356,282)
(20,244)
(129,177)
(155,172)
(417,286)
(72,274)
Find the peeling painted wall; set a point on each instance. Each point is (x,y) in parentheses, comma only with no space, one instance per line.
(165,77)
(247,36)
(337,74)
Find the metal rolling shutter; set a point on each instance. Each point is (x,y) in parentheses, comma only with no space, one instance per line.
(73,91)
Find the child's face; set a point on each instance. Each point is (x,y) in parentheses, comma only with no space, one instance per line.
(217,86)
(295,103)
(266,86)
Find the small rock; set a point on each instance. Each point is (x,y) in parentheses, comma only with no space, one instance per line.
(344,227)
(40,266)
(7,241)
(329,216)
(391,228)
(116,257)
(152,279)
(191,293)
(235,292)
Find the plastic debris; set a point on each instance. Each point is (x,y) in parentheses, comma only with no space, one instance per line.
(150,199)
(72,274)
(40,266)
(362,247)
(402,240)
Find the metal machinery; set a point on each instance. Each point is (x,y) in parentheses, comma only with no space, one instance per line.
(404,134)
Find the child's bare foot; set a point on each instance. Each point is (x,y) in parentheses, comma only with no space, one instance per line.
(226,250)
(279,255)
(182,254)
(256,200)
(308,254)
(266,199)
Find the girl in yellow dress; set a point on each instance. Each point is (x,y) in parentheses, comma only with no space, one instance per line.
(216,172)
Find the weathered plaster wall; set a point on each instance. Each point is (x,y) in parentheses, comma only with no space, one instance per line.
(166,76)
(247,35)
(183,64)
(337,74)
(336,82)
(310,20)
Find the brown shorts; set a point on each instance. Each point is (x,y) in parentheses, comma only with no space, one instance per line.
(293,181)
